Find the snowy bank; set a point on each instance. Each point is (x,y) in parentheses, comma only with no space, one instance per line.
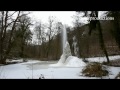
(102,59)
(14,61)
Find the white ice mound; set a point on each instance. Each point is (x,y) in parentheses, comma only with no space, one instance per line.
(73,61)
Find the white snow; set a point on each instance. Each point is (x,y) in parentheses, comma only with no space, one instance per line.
(113,71)
(70,70)
(102,59)
(25,71)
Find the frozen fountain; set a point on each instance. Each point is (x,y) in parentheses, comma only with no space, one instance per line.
(66,58)
(65,47)
(66,53)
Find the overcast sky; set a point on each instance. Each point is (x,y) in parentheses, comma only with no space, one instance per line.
(66,17)
(63,16)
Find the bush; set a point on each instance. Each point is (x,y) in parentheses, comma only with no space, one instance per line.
(95,70)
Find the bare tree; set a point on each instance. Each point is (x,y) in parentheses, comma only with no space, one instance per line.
(24,32)
(78,22)
(59,27)
(50,33)
(9,20)
(40,33)
(95,24)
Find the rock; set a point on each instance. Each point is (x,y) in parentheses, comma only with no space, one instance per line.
(42,77)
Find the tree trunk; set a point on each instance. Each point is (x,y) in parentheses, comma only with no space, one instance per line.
(3,35)
(2,61)
(1,51)
(22,51)
(101,40)
(48,49)
(10,38)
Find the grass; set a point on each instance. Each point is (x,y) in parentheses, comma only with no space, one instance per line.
(95,70)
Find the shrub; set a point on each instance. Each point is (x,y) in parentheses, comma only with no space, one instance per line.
(95,70)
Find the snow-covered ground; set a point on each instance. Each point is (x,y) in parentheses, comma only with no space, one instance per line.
(71,70)
(102,59)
